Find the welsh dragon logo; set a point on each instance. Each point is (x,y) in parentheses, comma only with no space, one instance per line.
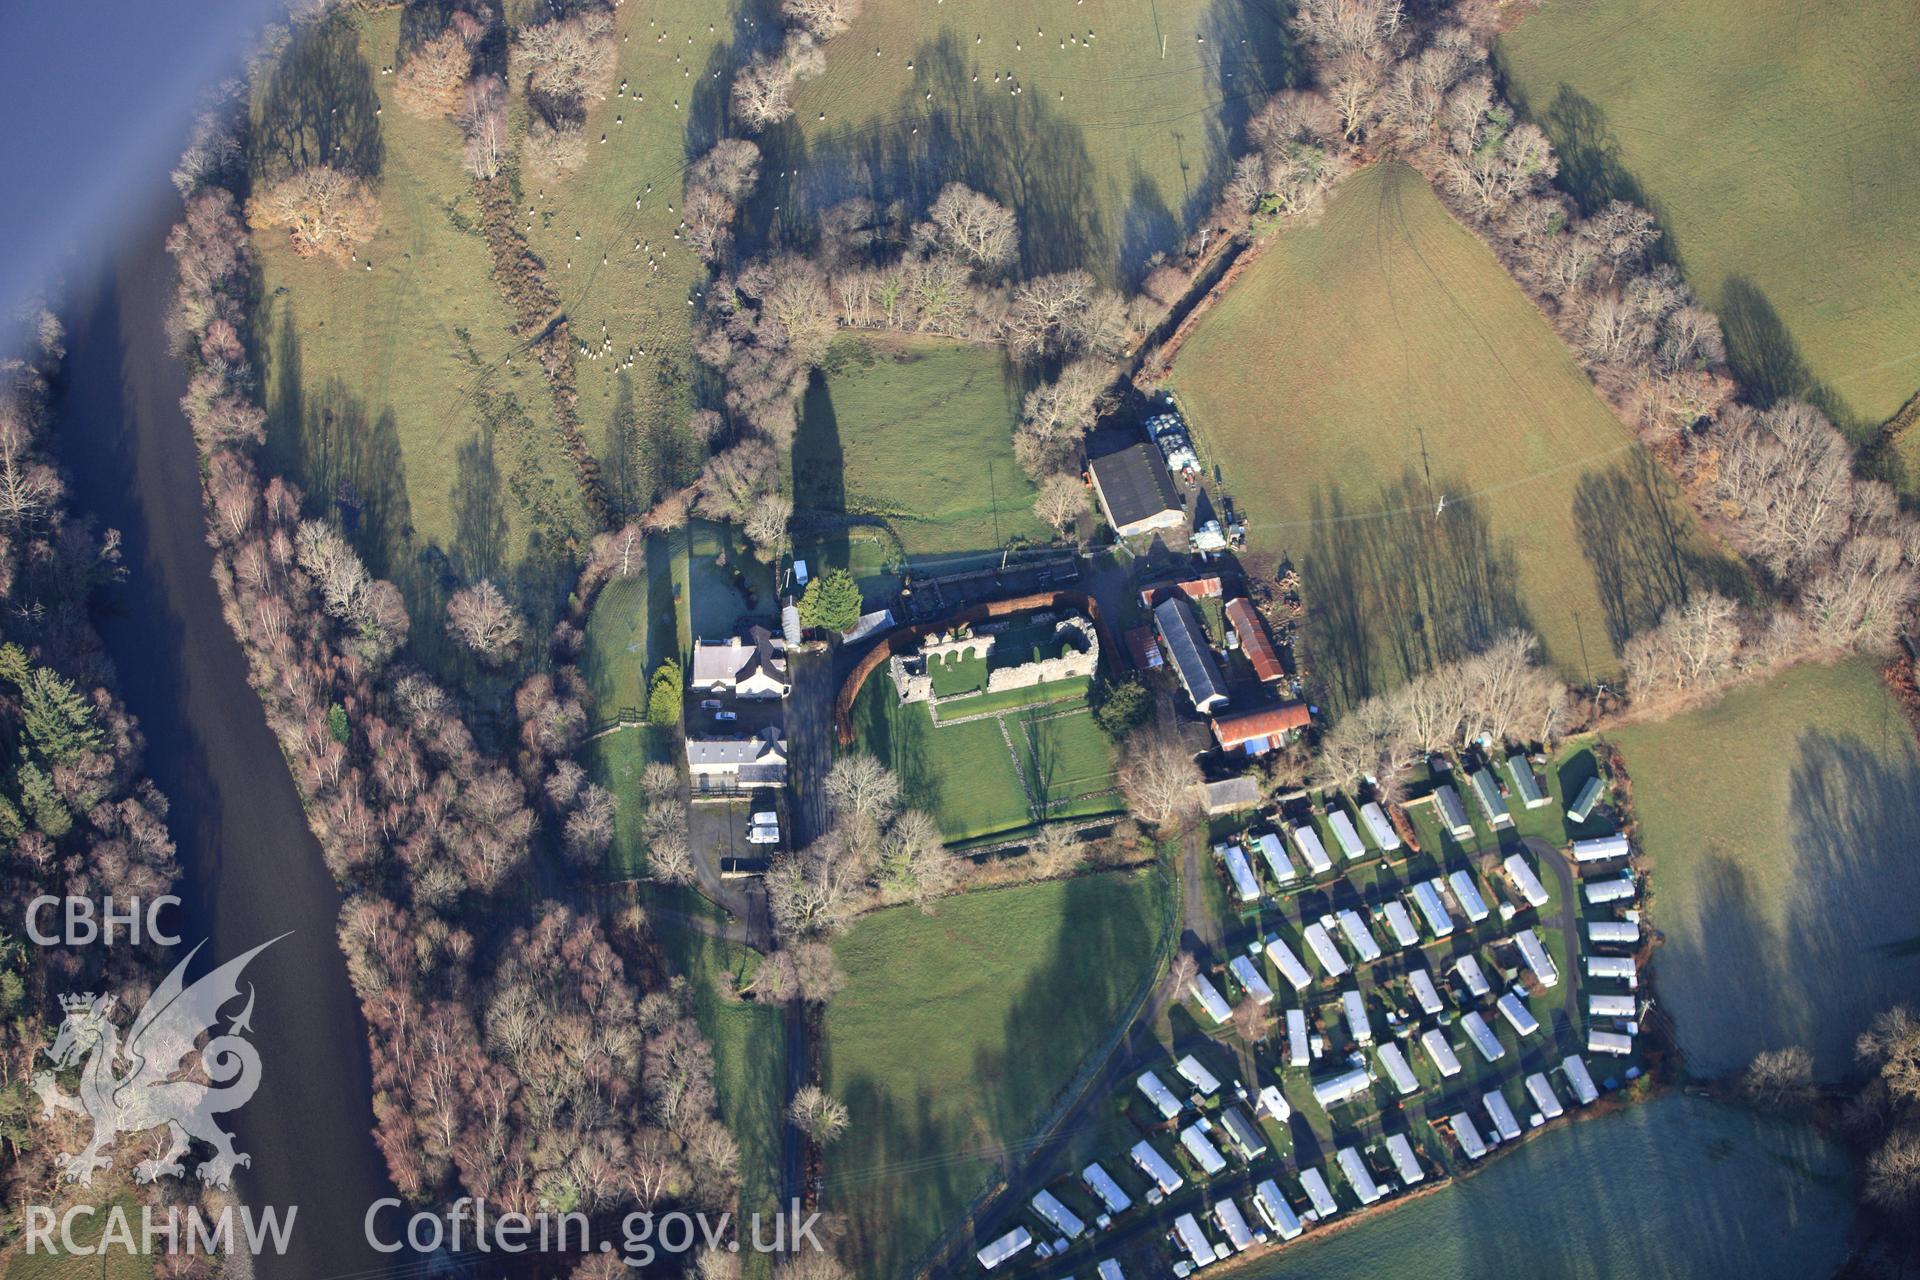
(136,1086)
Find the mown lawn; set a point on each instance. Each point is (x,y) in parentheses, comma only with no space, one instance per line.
(1067,760)
(1782,824)
(955,1032)
(1380,361)
(1779,143)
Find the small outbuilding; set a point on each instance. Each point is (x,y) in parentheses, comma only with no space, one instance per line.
(1256,642)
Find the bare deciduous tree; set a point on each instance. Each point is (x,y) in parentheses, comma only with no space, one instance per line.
(482,620)
(823,19)
(323,210)
(433,78)
(483,123)
(863,793)
(1779,1080)
(818,1114)
(1062,499)
(1695,647)
(1158,774)
(976,227)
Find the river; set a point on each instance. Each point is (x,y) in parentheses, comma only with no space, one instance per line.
(250,867)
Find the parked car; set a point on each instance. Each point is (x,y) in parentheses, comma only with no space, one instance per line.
(763,835)
(711,704)
(726,716)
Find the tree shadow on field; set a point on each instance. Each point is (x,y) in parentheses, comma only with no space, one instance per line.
(1764,356)
(1249,56)
(756,25)
(318,106)
(479,509)
(1591,170)
(1148,227)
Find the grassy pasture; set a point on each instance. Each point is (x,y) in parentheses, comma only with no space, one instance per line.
(1781,824)
(1121,133)
(1383,343)
(1779,143)
(955,1031)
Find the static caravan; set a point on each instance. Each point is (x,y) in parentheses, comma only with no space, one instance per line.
(1314,1183)
(1611,1006)
(1582,806)
(1204,1153)
(1486,789)
(1543,1096)
(1613,1042)
(1405,1163)
(1156,1167)
(1344,834)
(1426,896)
(1453,814)
(1482,1036)
(1603,849)
(1197,1075)
(1057,1215)
(1379,826)
(1271,1102)
(1234,1223)
(1203,990)
(1358,1176)
(1466,1135)
(1193,1240)
(1250,980)
(1101,1184)
(1525,880)
(1518,1016)
(1467,894)
(1334,1090)
(1356,1011)
(1273,1208)
(1275,855)
(1611,967)
(1580,1078)
(1243,1135)
(1288,963)
(1400,921)
(1307,842)
(1109,1270)
(1359,937)
(1332,963)
(1298,1051)
(1245,886)
(1505,1123)
(1007,1246)
(1613,889)
(1159,1095)
(1434,1041)
(1470,973)
(1394,1062)
(1424,991)
(1525,785)
(1537,958)
(1622,932)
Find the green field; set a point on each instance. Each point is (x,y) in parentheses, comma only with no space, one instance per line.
(956,1031)
(1121,134)
(916,435)
(1782,824)
(1779,144)
(1380,360)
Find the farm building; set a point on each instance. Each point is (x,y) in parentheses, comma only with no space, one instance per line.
(1611,967)
(1394,1062)
(1101,1184)
(1195,1073)
(1582,806)
(1344,833)
(1245,886)
(1612,889)
(1434,1041)
(1273,1208)
(1155,1166)
(1359,937)
(1136,493)
(752,668)
(1250,980)
(1204,1153)
(1272,1102)
(1613,1042)
(1242,1135)
(1262,729)
(1356,1012)
(1288,963)
(1400,921)
(1143,648)
(1231,795)
(1453,814)
(1203,990)
(1006,1247)
(1405,1163)
(1466,1135)
(1626,932)
(1600,1006)
(1314,1183)
(1580,1078)
(1475,1025)
(1255,641)
(1467,894)
(1334,1090)
(1525,785)
(1537,959)
(1234,1223)
(1525,880)
(1601,849)
(1332,963)
(730,764)
(1486,789)
(1424,991)
(1159,1095)
(1505,1123)
(1057,1215)
(1297,1047)
(1307,841)
(1518,1016)
(1426,896)
(1190,1237)
(1275,855)
(1358,1176)
(1470,973)
(1186,648)
(1543,1096)
(1379,826)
